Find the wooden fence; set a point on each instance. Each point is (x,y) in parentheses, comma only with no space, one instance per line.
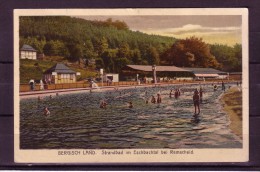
(26,87)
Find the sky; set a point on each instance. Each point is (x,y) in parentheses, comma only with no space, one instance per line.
(222,29)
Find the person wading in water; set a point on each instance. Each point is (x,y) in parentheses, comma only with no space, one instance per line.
(196,101)
(201,94)
(153,100)
(159,99)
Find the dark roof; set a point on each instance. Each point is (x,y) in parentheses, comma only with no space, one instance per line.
(27,48)
(148,68)
(235,73)
(59,68)
(204,70)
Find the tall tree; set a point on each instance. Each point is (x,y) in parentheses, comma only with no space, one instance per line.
(153,56)
(75,52)
(190,52)
(123,51)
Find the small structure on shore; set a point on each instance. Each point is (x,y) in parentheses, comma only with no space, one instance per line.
(207,73)
(60,73)
(114,77)
(28,52)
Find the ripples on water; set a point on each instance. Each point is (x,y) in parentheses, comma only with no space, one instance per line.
(76,121)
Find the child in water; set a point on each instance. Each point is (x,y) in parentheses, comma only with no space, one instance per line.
(170,94)
(196,101)
(46,111)
(103,104)
(215,87)
(153,100)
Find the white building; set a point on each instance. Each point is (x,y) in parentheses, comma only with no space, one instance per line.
(28,52)
(114,77)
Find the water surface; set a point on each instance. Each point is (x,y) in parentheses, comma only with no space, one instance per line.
(76,121)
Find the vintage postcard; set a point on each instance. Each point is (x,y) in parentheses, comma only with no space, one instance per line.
(131,85)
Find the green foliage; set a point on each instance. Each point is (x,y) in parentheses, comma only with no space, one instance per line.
(113,45)
(229,57)
(109,58)
(28,69)
(37,44)
(75,52)
(123,51)
(120,63)
(75,38)
(153,56)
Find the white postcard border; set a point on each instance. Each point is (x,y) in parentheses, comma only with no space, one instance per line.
(199,155)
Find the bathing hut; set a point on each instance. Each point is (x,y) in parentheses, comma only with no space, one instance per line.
(60,73)
(28,52)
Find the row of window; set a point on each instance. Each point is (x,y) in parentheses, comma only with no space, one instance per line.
(28,53)
(65,76)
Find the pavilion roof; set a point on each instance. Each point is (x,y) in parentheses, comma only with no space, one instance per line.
(60,68)
(148,68)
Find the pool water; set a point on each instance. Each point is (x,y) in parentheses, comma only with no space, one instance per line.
(76,121)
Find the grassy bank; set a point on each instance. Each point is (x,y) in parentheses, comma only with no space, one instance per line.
(232,101)
(33,69)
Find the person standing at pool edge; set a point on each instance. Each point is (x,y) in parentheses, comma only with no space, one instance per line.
(196,101)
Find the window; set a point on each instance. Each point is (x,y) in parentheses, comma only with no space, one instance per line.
(59,76)
(71,76)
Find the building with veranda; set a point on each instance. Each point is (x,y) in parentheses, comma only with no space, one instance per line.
(60,73)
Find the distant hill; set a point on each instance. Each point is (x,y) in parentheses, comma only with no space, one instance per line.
(113,45)
(76,38)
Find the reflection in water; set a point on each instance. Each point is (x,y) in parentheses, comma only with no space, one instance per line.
(76,121)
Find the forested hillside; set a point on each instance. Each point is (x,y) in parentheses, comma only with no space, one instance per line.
(113,45)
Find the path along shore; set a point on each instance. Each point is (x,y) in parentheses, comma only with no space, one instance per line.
(232,102)
(44,93)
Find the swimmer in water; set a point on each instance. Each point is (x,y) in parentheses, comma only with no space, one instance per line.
(46,111)
(146,101)
(103,104)
(215,87)
(130,105)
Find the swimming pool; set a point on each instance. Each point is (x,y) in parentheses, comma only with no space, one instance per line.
(76,121)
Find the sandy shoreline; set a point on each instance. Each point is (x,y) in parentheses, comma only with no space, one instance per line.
(232,103)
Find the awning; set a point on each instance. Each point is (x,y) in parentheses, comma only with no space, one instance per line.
(206,75)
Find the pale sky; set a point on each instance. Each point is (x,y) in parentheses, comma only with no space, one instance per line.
(223,29)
